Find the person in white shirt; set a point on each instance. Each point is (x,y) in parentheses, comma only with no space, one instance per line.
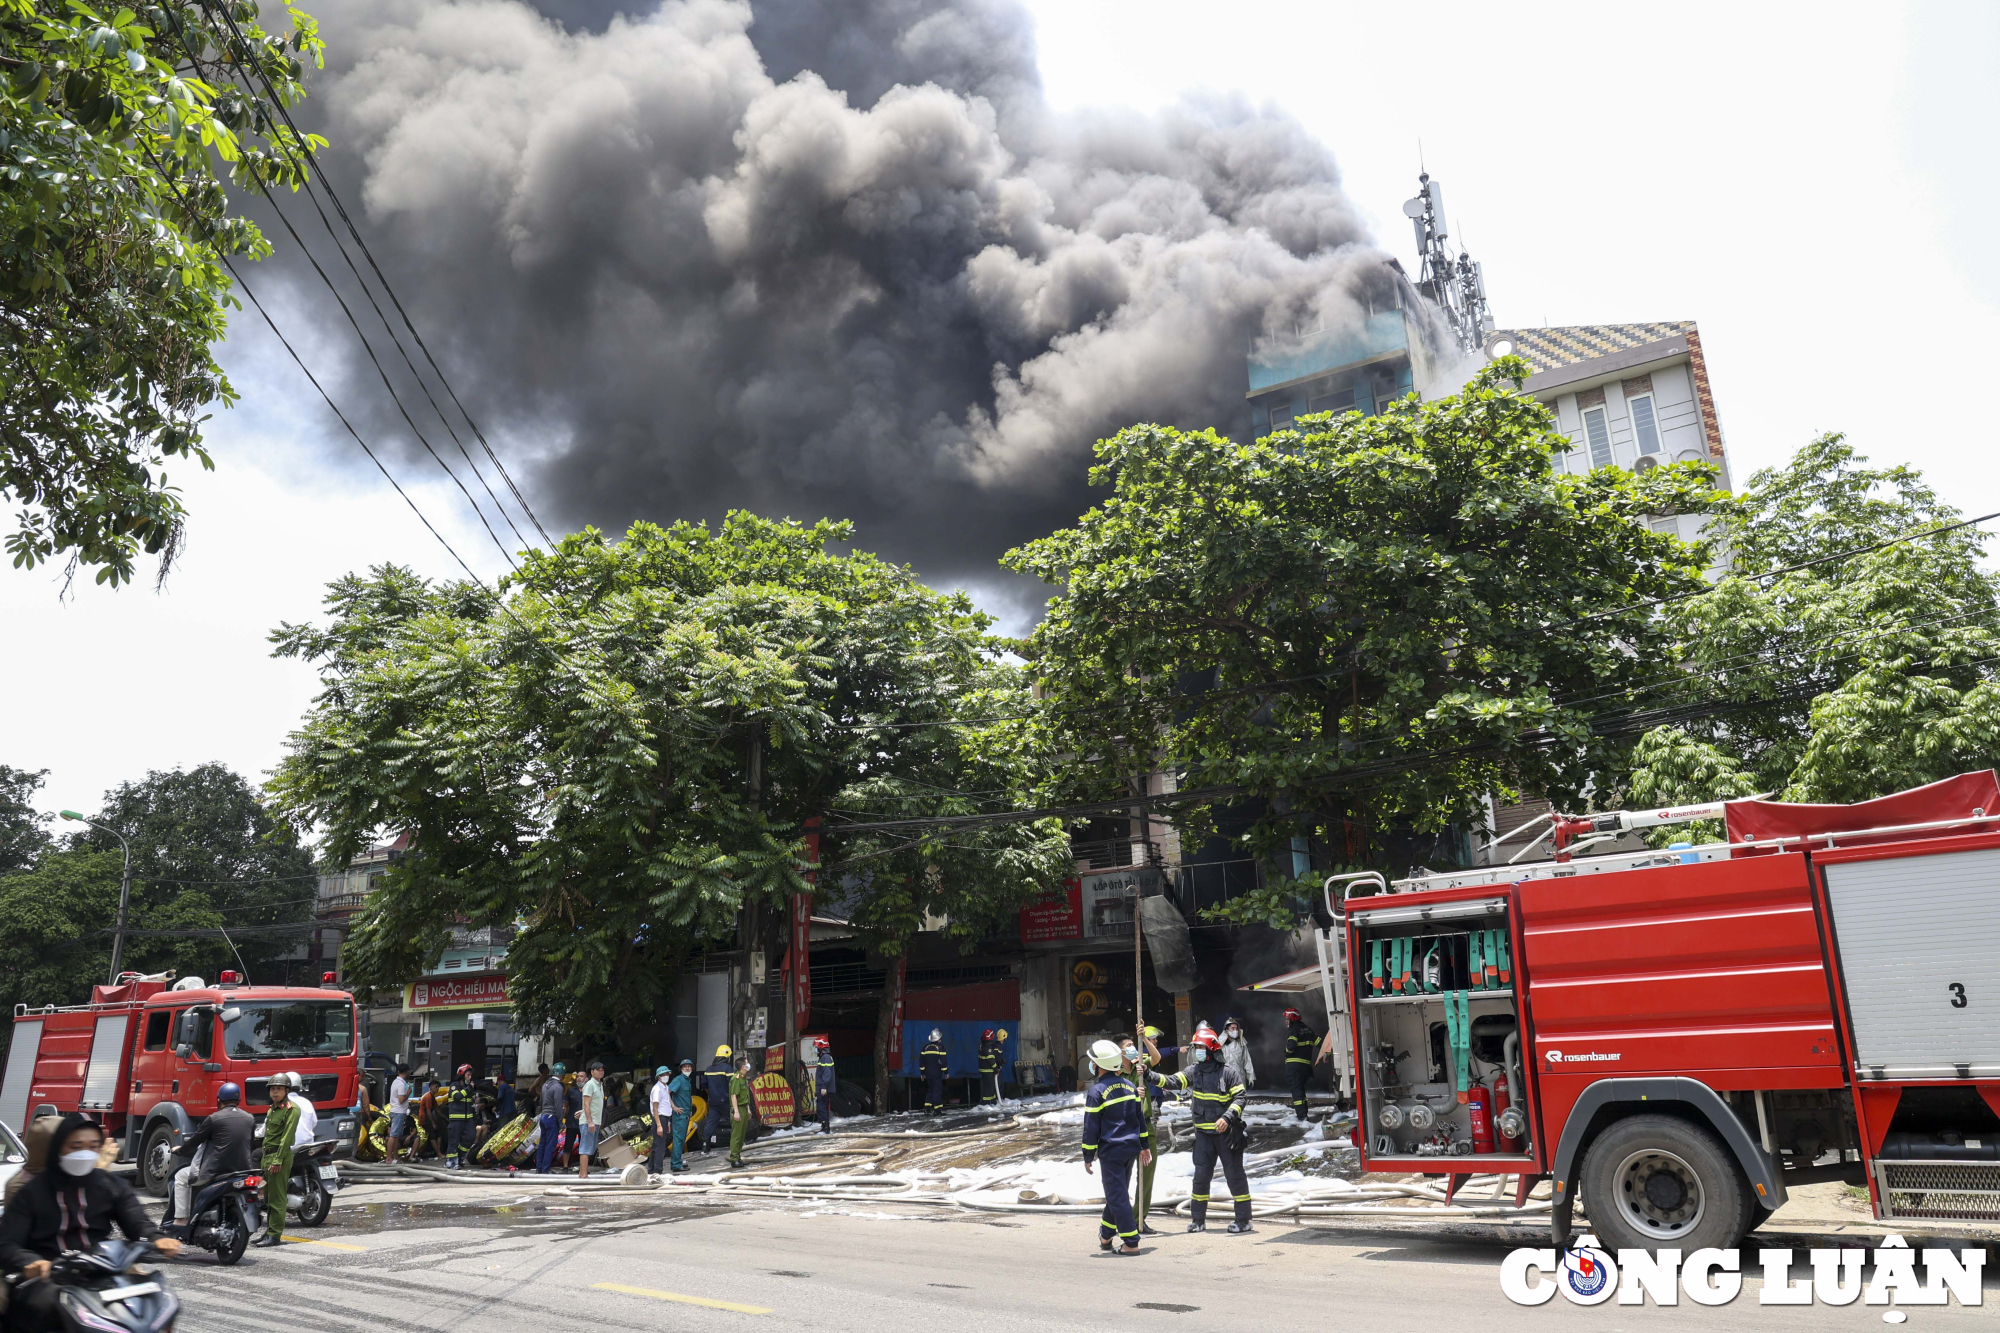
(399,1112)
(308,1117)
(590,1118)
(663,1119)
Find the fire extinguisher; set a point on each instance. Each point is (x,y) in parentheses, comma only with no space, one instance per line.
(1501,1101)
(1479,1107)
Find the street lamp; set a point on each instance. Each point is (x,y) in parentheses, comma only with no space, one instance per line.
(124,891)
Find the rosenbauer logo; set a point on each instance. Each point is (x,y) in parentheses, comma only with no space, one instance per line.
(1557,1057)
(1587,1275)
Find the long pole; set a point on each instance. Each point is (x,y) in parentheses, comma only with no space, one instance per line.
(124,892)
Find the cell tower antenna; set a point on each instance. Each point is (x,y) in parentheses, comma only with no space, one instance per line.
(1457,286)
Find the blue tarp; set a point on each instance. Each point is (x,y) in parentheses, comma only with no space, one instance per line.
(961,1039)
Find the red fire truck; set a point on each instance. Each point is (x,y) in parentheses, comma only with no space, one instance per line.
(1676,1037)
(146,1055)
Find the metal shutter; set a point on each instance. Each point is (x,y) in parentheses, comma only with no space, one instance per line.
(19,1080)
(1918,939)
(107,1052)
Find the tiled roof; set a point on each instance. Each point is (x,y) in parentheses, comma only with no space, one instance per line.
(1548,349)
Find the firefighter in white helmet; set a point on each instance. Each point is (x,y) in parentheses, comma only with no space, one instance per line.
(1117,1138)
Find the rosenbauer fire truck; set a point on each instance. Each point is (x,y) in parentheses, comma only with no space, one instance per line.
(1674,1038)
(147,1054)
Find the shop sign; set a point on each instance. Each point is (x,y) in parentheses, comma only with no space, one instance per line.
(1108,899)
(1057,917)
(486,991)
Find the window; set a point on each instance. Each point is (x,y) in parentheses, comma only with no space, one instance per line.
(1644,428)
(1333,402)
(1281,417)
(158,1024)
(1668,526)
(301,1028)
(1599,434)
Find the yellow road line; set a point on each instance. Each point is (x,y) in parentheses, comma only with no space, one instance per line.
(330,1244)
(678,1298)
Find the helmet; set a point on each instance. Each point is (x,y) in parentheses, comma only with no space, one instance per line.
(937,1034)
(1153,1032)
(278,1082)
(228,1095)
(722,1052)
(1106,1056)
(464,1070)
(687,1062)
(1292,1016)
(560,1069)
(823,1043)
(986,1035)
(662,1072)
(1207,1041)
(1232,1021)
(292,1077)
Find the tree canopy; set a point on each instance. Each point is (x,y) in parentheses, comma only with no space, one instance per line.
(1365,623)
(117,128)
(620,748)
(24,835)
(1846,680)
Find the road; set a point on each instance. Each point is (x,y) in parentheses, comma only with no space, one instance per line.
(552,1265)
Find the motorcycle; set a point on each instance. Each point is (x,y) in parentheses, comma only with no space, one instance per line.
(107,1289)
(226,1215)
(315,1177)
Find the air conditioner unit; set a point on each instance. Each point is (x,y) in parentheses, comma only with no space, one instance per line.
(1646,463)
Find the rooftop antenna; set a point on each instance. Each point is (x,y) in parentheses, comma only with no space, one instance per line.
(1457,286)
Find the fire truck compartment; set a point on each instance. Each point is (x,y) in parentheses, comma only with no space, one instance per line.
(1917,937)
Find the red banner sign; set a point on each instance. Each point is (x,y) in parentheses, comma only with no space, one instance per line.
(1058,917)
(801,961)
(899,972)
(485,991)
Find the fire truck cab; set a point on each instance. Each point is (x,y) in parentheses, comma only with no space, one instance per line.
(146,1057)
(1676,1037)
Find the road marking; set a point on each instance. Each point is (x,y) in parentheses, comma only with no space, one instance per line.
(678,1298)
(330,1244)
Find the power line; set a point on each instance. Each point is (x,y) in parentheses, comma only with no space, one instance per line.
(325,183)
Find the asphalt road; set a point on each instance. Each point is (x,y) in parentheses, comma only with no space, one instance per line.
(553,1265)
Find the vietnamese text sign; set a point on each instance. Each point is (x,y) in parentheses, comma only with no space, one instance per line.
(485,991)
(1057,917)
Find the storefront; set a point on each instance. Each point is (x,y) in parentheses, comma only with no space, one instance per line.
(457,1014)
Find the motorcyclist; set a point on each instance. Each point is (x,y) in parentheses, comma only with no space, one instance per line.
(71,1206)
(308,1129)
(219,1146)
(280,1124)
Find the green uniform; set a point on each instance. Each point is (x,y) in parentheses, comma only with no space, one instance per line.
(739,1119)
(281,1126)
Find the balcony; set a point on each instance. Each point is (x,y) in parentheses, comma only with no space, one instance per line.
(1276,363)
(1112,853)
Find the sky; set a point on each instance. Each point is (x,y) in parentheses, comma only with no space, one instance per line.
(1815,192)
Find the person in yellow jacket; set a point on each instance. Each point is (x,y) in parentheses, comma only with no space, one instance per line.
(279,1127)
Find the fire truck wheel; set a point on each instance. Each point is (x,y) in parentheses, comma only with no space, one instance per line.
(156,1152)
(1654,1180)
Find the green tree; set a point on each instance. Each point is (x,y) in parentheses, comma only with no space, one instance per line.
(1367,623)
(53,945)
(207,856)
(23,835)
(1845,680)
(617,754)
(117,130)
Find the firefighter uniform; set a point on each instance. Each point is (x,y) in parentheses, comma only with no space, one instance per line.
(1218,1135)
(932,1062)
(1114,1130)
(990,1050)
(459,1112)
(823,1080)
(1301,1045)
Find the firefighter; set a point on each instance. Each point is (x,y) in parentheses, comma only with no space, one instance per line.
(1301,1046)
(715,1082)
(1218,1128)
(1115,1136)
(280,1123)
(990,1049)
(823,1079)
(460,1112)
(932,1062)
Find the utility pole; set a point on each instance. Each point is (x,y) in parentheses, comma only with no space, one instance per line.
(124,893)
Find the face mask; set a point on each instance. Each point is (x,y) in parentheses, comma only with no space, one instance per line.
(1197,1054)
(79,1163)
(1132,1054)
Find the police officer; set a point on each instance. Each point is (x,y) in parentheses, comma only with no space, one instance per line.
(460,1113)
(1218,1128)
(823,1079)
(279,1125)
(1301,1044)
(932,1062)
(717,1077)
(1138,1062)
(990,1050)
(1116,1137)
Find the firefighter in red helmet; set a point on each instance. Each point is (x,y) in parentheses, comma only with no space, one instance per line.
(823,1081)
(990,1049)
(1218,1128)
(1301,1046)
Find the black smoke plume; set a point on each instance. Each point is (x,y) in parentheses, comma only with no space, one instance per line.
(813,257)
